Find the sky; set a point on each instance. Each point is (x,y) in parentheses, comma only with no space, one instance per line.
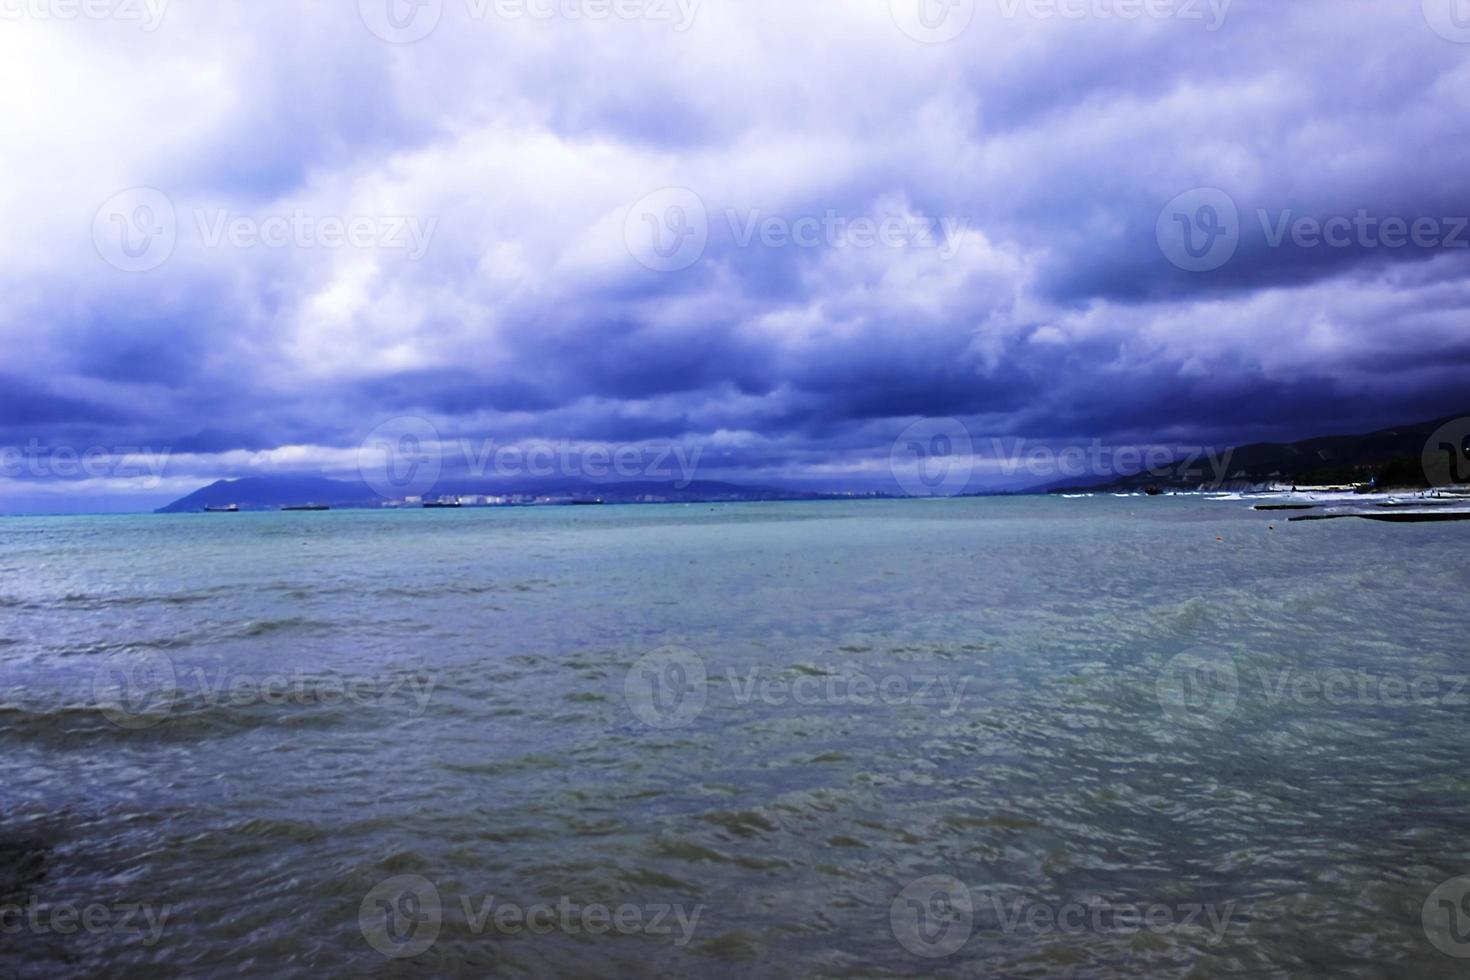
(793,240)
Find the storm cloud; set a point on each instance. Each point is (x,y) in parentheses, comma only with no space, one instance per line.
(253,233)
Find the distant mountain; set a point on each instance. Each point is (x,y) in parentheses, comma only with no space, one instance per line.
(275,492)
(1388,459)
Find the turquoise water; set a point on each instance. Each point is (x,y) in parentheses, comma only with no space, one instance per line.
(1020,737)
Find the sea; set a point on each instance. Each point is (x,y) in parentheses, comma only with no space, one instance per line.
(1008,737)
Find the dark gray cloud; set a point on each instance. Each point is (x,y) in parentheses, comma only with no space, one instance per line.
(1022,168)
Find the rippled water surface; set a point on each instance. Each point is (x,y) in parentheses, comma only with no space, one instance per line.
(976,737)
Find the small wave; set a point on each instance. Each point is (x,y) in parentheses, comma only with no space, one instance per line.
(742,823)
(426,591)
(185,719)
(733,947)
(98,600)
(249,629)
(690,852)
(265,627)
(111,647)
(523,764)
(642,878)
(287,830)
(430,591)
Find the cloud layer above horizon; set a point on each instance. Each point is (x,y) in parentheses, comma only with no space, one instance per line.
(251,234)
